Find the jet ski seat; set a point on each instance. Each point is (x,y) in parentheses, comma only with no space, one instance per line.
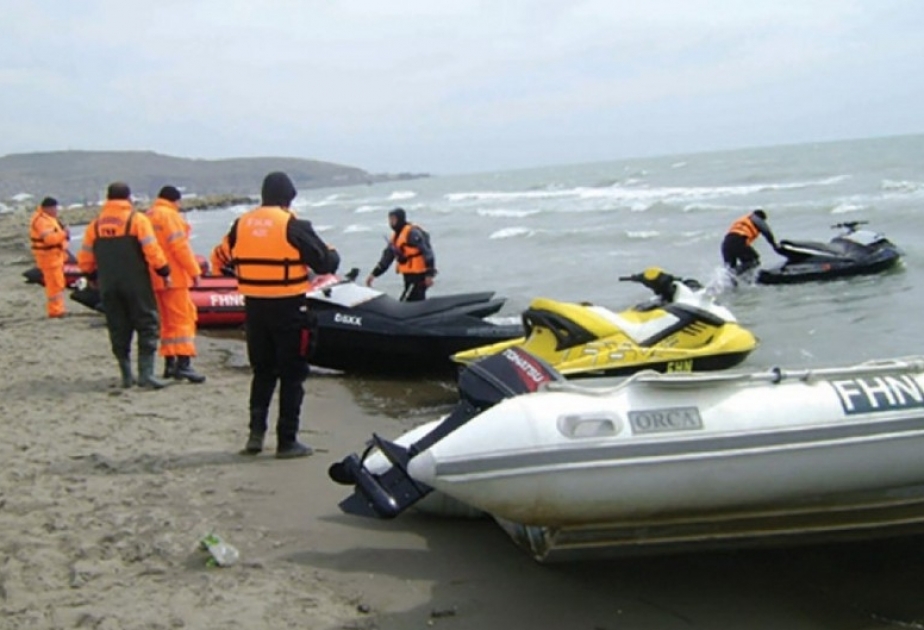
(811,248)
(388,306)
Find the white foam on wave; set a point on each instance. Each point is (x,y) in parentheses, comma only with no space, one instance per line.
(847,207)
(640,198)
(678,164)
(502,212)
(367,208)
(323,228)
(329,200)
(642,234)
(356,227)
(902,186)
(512,232)
(400,195)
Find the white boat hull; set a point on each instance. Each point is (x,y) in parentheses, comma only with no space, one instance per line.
(662,450)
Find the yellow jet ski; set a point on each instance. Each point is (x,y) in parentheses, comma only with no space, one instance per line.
(681,329)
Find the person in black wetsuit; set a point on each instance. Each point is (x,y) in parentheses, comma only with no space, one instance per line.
(409,244)
(738,253)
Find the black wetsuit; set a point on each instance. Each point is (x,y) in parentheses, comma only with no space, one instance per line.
(737,254)
(415,287)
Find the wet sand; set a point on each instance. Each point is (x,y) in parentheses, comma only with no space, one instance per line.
(104,494)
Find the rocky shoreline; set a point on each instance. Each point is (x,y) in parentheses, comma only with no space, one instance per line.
(82,215)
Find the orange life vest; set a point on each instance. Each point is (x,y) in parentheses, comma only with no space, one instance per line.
(266,264)
(412,256)
(48,239)
(746,228)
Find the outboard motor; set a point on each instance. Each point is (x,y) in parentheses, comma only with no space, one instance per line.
(481,385)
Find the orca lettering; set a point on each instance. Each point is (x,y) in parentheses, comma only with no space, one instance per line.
(879,393)
(350,320)
(663,420)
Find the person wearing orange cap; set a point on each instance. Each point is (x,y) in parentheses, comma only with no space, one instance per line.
(174,304)
(49,238)
(118,248)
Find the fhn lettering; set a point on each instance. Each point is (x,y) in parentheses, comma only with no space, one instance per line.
(880,393)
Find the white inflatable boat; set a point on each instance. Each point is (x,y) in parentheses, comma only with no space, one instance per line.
(676,459)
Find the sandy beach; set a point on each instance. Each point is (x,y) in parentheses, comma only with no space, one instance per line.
(105,493)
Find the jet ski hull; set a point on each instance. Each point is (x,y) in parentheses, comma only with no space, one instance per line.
(359,329)
(353,341)
(856,252)
(819,270)
(581,340)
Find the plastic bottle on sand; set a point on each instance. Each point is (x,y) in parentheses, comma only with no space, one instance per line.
(222,554)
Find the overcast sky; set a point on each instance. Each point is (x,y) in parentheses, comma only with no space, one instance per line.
(449,86)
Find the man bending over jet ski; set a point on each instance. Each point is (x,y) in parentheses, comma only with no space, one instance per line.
(737,250)
(410,246)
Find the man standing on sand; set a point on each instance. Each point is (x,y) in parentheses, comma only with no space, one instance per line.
(409,244)
(118,248)
(174,305)
(49,238)
(271,252)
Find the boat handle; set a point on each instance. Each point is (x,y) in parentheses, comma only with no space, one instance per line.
(594,425)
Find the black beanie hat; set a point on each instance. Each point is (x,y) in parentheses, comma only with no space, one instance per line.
(170,193)
(49,202)
(278,190)
(399,214)
(118,190)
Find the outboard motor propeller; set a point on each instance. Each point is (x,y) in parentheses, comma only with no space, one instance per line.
(481,385)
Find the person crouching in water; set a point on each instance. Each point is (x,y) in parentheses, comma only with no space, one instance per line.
(737,251)
(410,246)
(174,304)
(49,237)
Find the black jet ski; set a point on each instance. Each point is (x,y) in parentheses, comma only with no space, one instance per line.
(361,329)
(851,253)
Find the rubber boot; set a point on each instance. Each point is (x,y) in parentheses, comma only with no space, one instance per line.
(169,367)
(146,376)
(257,432)
(125,369)
(291,450)
(185,370)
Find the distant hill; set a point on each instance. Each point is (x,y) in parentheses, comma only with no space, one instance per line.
(82,176)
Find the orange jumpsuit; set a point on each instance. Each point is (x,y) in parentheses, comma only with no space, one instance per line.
(176,308)
(221,258)
(49,246)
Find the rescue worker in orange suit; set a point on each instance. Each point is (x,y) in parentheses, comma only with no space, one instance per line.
(271,252)
(737,250)
(411,248)
(118,248)
(49,237)
(174,305)
(221,260)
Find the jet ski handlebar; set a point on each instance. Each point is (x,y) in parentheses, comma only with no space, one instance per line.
(660,282)
(848,225)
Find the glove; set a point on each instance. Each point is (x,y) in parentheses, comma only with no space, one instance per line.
(163,272)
